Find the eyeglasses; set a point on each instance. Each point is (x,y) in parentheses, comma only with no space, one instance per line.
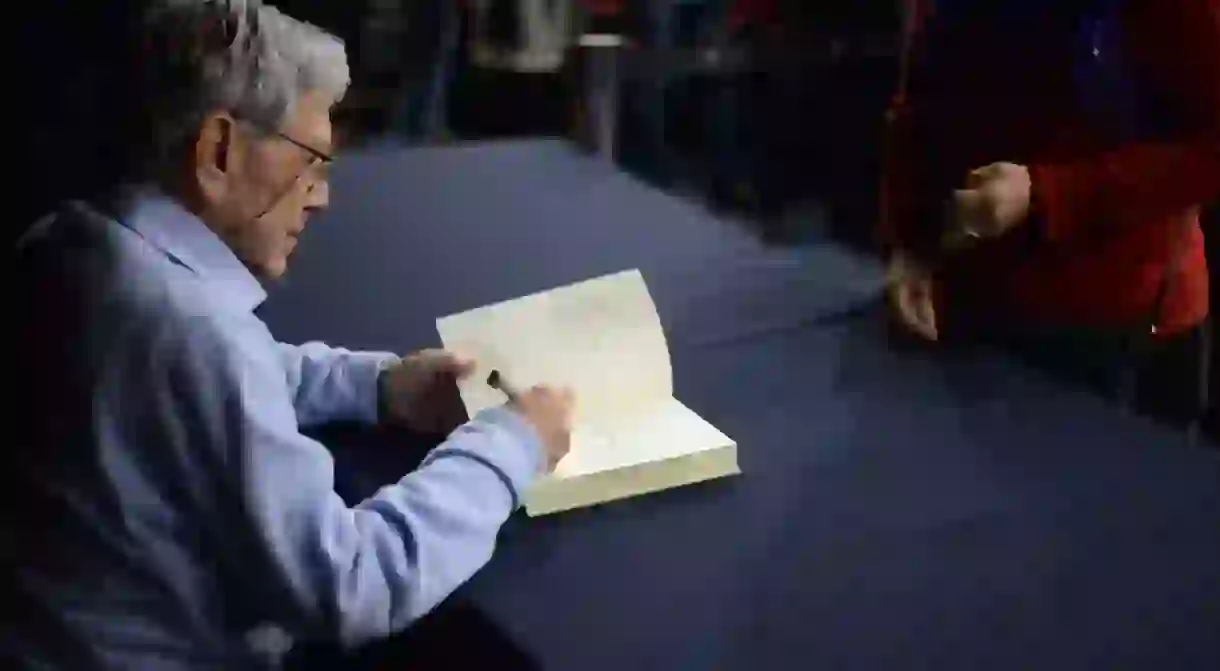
(319,160)
(318,155)
(316,170)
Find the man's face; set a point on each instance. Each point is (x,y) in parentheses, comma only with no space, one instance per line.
(259,188)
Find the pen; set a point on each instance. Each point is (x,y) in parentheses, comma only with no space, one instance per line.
(496,381)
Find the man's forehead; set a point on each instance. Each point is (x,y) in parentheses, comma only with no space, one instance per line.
(311,122)
(317,135)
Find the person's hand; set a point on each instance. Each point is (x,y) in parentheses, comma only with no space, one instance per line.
(910,294)
(549,410)
(995,200)
(420,391)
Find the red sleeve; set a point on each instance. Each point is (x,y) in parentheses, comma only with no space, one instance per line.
(1178,42)
(898,191)
(752,12)
(603,7)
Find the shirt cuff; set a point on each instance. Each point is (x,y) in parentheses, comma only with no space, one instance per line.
(509,445)
(364,371)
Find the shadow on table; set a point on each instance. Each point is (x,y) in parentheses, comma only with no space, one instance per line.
(456,635)
(975,375)
(878,355)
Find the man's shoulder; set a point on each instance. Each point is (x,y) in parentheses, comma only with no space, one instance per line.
(107,282)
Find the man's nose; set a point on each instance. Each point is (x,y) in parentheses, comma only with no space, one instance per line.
(319,196)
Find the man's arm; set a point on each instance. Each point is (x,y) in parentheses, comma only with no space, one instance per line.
(1177,43)
(330,384)
(318,566)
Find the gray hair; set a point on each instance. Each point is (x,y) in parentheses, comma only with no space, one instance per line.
(240,56)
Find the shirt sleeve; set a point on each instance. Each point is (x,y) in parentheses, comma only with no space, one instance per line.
(331,384)
(323,569)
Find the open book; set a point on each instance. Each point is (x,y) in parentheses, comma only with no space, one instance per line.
(602,338)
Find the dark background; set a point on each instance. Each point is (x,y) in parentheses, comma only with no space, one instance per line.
(819,127)
(820,133)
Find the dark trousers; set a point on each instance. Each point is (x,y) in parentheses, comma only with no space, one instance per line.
(1173,382)
(1165,378)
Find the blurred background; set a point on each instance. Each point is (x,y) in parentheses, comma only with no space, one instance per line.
(759,107)
(767,111)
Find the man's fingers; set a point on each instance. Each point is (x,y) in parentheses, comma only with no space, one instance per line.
(463,366)
(914,305)
(565,397)
(969,209)
(925,313)
(910,294)
(444,362)
(902,301)
(908,310)
(968,200)
(979,176)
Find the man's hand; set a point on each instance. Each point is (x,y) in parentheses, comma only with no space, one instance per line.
(997,199)
(550,412)
(910,294)
(421,392)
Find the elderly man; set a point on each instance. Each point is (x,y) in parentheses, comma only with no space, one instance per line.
(170,505)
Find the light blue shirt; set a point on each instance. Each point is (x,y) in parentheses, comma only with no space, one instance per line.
(173,504)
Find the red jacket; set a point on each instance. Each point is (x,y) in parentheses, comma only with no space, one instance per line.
(1107,216)
(752,12)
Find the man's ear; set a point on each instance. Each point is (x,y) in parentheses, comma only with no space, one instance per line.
(213,155)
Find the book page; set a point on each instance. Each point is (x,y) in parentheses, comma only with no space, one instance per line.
(669,430)
(601,337)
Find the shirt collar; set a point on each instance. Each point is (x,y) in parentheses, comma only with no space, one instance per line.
(164,223)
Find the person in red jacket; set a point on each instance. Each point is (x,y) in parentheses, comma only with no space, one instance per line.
(1046,162)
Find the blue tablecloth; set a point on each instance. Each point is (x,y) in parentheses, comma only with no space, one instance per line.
(898,509)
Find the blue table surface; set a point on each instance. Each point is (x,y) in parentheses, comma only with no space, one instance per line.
(897,509)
